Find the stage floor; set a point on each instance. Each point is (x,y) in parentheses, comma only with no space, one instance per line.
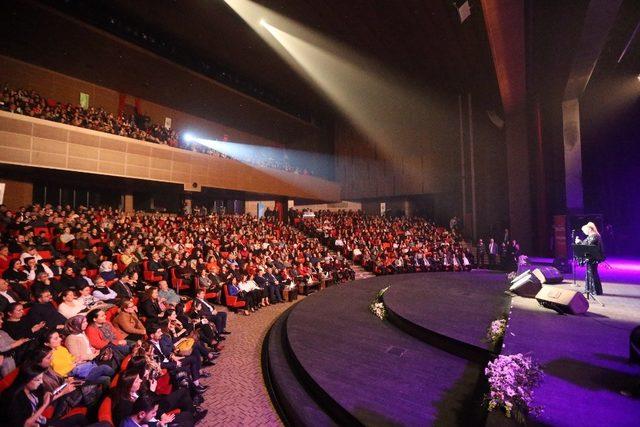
(459,306)
(585,357)
(381,375)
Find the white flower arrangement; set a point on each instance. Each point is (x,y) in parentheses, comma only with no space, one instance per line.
(512,379)
(496,330)
(377,306)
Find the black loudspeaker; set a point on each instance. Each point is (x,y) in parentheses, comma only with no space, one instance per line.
(548,275)
(563,301)
(525,285)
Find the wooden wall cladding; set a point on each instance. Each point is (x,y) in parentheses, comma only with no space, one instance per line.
(33,142)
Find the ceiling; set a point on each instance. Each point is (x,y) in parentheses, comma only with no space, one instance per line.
(421,40)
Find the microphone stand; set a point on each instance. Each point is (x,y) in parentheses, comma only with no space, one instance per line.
(573,258)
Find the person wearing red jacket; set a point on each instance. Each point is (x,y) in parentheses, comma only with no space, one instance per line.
(103,334)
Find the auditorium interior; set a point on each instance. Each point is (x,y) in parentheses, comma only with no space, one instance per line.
(319,213)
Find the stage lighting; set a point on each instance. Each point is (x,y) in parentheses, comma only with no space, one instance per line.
(263,23)
(188,137)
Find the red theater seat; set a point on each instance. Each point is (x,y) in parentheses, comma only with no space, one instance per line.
(232,302)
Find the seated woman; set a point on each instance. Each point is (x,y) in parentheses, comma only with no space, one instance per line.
(4,257)
(203,280)
(17,327)
(17,279)
(68,280)
(28,406)
(129,322)
(185,272)
(248,292)
(173,328)
(66,365)
(83,279)
(151,306)
(77,341)
(14,351)
(70,305)
(135,283)
(130,261)
(102,333)
(88,300)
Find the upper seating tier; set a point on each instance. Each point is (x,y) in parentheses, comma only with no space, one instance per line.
(28,141)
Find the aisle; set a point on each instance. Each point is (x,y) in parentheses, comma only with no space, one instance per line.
(237,394)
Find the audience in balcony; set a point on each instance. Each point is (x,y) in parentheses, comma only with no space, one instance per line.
(31,103)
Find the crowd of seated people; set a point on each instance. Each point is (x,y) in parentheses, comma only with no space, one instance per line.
(385,245)
(110,312)
(31,103)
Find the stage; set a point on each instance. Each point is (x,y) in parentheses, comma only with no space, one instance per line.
(585,357)
(330,361)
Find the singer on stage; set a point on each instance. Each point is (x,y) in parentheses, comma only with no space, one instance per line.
(592,280)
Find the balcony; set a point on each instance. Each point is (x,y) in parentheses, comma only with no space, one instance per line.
(26,141)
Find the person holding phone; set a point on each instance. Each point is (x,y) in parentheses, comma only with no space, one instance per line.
(27,407)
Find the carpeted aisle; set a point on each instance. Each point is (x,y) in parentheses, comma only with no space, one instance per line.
(237,395)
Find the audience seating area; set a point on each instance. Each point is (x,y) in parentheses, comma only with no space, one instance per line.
(385,245)
(111,303)
(159,280)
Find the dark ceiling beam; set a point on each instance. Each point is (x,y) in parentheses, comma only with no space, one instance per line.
(600,17)
(504,20)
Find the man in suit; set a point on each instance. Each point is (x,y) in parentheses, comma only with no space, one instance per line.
(122,288)
(206,310)
(493,253)
(58,267)
(482,251)
(7,296)
(156,266)
(92,258)
(273,281)
(272,289)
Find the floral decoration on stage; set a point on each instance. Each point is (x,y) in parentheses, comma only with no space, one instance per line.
(377,306)
(512,379)
(496,330)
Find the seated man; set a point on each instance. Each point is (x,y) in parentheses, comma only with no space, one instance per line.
(43,311)
(156,266)
(169,295)
(103,293)
(206,310)
(7,296)
(168,360)
(144,413)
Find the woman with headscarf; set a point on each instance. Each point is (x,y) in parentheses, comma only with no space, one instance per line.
(77,341)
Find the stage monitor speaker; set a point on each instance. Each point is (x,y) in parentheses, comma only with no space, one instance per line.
(563,301)
(525,285)
(548,275)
